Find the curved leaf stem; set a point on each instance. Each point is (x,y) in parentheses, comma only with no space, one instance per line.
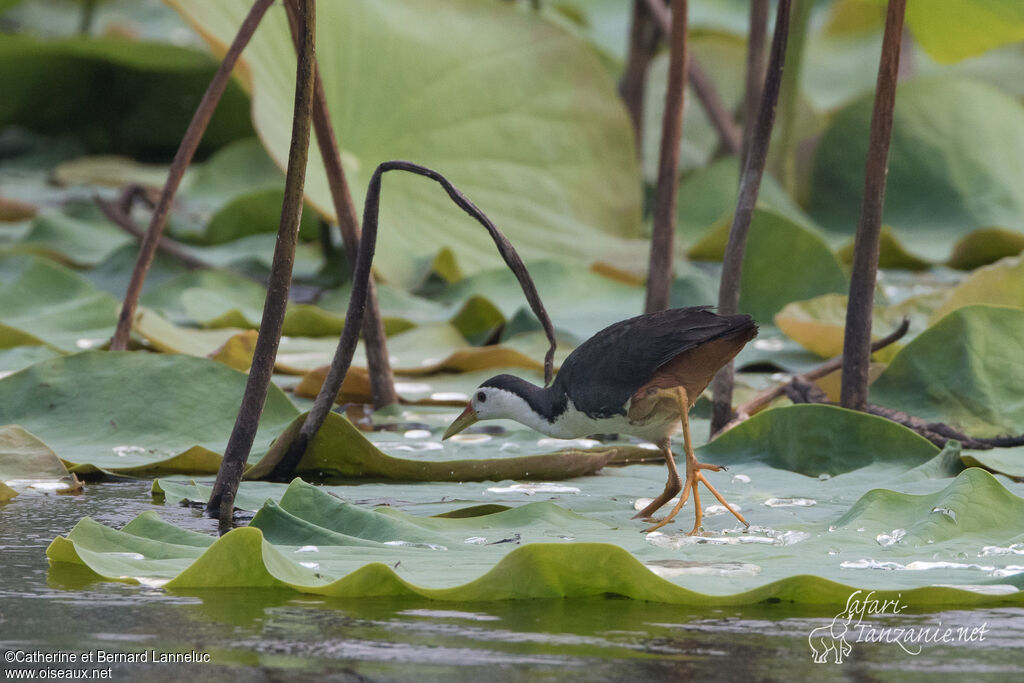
(357,303)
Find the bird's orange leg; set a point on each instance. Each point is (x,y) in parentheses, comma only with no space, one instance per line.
(693,474)
(672,486)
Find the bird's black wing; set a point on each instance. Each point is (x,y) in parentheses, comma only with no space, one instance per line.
(603,372)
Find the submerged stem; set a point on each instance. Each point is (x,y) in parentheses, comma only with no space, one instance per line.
(240,443)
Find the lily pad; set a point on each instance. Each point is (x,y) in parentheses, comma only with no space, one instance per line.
(985,246)
(815,439)
(149,93)
(514,149)
(1008,461)
(312,542)
(135,413)
(945,179)
(341,450)
(819,324)
(964,370)
(1000,284)
(953,31)
(792,256)
(27,463)
(47,304)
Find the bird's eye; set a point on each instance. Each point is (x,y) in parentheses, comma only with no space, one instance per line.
(481,396)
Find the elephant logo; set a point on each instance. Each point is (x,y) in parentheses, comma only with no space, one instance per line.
(830,639)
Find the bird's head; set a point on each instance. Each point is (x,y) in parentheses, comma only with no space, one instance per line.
(500,397)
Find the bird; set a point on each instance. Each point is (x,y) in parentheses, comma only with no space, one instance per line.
(640,377)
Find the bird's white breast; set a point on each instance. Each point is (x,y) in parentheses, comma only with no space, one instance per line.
(574,424)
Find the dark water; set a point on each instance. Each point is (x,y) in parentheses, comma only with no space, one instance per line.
(272,635)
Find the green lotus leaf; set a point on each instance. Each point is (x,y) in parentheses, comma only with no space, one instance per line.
(891,252)
(964,370)
(535,97)
(26,463)
(310,541)
(708,195)
(1001,283)
(135,413)
(78,235)
(985,246)
(819,324)
(792,256)
(46,304)
(949,32)
(579,301)
(149,93)
(945,178)
(341,450)
(816,439)
(1008,461)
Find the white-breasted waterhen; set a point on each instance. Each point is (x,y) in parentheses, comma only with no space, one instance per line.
(641,377)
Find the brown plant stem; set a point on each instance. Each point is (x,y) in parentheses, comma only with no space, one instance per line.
(182,158)
(762,399)
(119,213)
(857,340)
(938,433)
(659,272)
(643,41)
(703,87)
(784,162)
(382,384)
(357,303)
(750,185)
(758,36)
(240,443)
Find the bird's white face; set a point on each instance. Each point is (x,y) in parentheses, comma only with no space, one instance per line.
(491,403)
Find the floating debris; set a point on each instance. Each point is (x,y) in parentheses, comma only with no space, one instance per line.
(417,434)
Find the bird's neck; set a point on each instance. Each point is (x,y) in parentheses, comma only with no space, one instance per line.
(543,407)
